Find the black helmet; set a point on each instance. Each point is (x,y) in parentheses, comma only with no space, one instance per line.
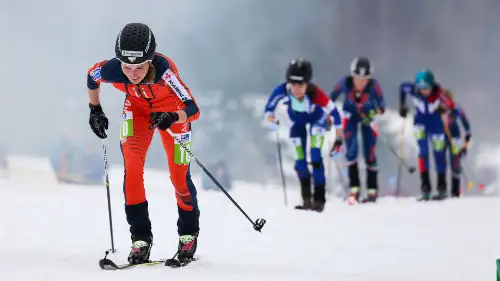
(361,67)
(299,71)
(135,44)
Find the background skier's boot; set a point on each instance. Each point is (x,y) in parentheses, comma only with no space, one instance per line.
(371,186)
(354,181)
(425,187)
(319,198)
(441,188)
(305,185)
(455,186)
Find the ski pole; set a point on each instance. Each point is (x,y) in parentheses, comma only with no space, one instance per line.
(283,182)
(402,162)
(328,171)
(470,184)
(450,139)
(105,154)
(342,179)
(401,147)
(458,162)
(480,185)
(411,169)
(258,224)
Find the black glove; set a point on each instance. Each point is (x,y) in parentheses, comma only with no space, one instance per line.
(468,136)
(98,121)
(441,109)
(463,152)
(162,120)
(403,111)
(336,148)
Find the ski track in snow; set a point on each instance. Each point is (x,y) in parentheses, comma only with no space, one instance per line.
(59,232)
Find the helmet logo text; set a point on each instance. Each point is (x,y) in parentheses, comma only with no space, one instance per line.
(138,54)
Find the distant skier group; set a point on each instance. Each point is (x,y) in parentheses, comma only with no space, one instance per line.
(436,121)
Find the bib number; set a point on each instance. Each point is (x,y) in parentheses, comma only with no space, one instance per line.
(317,137)
(456,146)
(127,128)
(438,142)
(419,132)
(181,155)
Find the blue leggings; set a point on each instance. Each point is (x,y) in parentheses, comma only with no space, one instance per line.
(369,140)
(298,135)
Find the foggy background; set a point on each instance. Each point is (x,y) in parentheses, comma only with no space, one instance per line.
(232,53)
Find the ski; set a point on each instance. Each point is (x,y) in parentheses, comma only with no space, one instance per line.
(176,263)
(108,264)
(302,208)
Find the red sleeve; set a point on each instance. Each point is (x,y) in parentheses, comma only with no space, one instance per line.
(185,99)
(319,97)
(446,100)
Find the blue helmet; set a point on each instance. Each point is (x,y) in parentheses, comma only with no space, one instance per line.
(424,79)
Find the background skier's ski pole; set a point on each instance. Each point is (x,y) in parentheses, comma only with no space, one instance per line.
(105,154)
(401,147)
(480,185)
(258,224)
(470,184)
(343,181)
(411,169)
(283,182)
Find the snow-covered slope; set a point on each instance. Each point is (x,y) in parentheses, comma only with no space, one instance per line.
(59,232)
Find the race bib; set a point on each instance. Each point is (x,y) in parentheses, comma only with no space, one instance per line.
(298,148)
(419,131)
(456,146)
(438,142)
(127,128)
(181,155)
(317,137)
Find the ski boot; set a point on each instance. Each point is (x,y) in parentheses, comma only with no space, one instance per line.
(372,186)
(455,187)
(426,196)
(425,187)
(141,249)
(353,195)
(307,205)
(187,247)
(318,206)
(305,185)
(354,183)
(441,194)
(372,196)
(319,198)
